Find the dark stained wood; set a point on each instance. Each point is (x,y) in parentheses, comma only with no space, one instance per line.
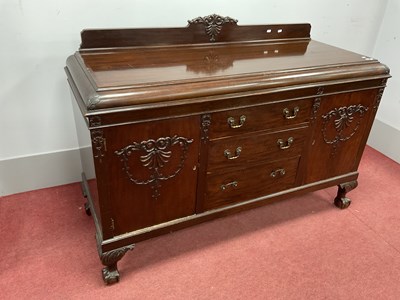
(192,34)
(255,148)
(341,200)
(204,60)
(157,203)
(140,235)
(260,118)
(149,112)
(190,124)
(342,121)
(201,90)
(132,68)
(110,259)
(249,182)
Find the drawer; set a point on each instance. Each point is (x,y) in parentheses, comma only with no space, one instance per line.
(268,116)
(236,151)
(248,183)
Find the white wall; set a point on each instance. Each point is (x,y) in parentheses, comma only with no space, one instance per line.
(385,135)
(37,36)
(387,48)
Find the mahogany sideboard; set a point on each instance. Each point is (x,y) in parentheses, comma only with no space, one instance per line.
(178,126)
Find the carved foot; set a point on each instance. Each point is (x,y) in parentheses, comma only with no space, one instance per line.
(341,200)
(85,195)
(109,259)
(342,203)
(110,274)
(87,209)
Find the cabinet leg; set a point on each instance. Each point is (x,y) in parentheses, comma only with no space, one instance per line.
(87,209)
(109,260)
(85,195)
(83,189)
(341,200)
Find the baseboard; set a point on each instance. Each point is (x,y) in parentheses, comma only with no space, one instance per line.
(385,139)
(33,172)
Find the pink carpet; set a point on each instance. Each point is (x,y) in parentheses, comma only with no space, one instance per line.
(302,248)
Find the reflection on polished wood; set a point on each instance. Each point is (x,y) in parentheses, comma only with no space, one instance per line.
(194,123)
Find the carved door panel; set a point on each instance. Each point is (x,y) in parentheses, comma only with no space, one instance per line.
(152,171)
(341,126)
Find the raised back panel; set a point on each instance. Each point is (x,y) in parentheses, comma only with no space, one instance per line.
(200,30)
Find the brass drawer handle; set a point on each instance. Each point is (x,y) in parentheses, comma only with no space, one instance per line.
(288,143)
(232,122)
(225,186)
(278,172)
(287,115)
(228,153)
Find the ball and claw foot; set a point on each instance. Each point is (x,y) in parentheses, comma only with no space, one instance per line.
(110,275)
(342,203)
(341,200)
(110,259)
(87,209)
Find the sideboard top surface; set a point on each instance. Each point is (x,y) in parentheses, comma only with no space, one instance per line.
(163,65)
(126,67)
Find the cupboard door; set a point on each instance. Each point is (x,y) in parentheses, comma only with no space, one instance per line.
(151,172)
(342,123)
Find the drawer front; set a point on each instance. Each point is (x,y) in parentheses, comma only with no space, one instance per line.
(247,183)
(269,116)
(240,151)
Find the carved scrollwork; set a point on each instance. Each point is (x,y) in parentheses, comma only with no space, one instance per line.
(156,154)
(99,144)
(315,108)
(342,119)
(213,24)
(94,121)
(112,257)
(205,126)
(316,104)
(93,101)
(378,98)
(98,140)
(379,95)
